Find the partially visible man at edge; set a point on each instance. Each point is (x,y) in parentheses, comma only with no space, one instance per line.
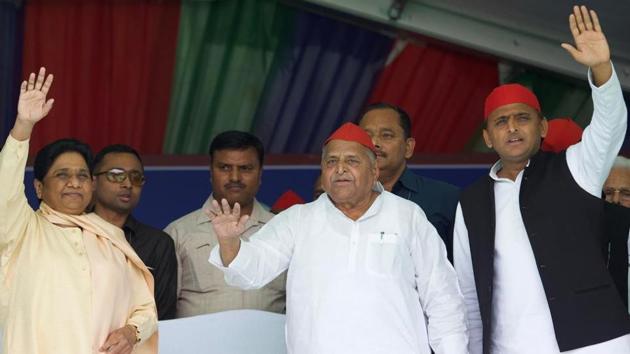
(367,272)
(119,178)
(617,185)
(617,223)
(527,239)
(389,126)
(236,162)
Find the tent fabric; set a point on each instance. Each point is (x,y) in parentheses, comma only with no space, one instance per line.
(167,76)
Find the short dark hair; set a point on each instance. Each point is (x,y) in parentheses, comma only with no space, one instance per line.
(403,116)
(47,155)
(237,140)
(114,149)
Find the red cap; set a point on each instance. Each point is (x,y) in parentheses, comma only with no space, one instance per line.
(352,132)
(562,133)
(286,200)
(508,94)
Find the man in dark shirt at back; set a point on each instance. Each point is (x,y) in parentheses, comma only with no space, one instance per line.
(389,127)
(119,176)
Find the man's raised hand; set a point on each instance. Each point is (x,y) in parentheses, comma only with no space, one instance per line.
(591,47)
(228,224)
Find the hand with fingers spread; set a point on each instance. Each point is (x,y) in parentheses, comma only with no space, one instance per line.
(591,47)
(228,224)
(32,103)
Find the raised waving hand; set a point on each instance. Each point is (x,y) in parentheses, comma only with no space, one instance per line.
(591,47)
(32,104)
(228,225)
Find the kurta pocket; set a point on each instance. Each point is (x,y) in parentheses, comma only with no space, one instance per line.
(382,254)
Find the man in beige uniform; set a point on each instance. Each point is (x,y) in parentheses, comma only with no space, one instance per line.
(236,160)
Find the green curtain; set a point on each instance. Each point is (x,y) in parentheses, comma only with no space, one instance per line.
(224,53)
(559,96)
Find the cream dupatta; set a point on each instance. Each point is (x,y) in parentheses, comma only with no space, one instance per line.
(103,234)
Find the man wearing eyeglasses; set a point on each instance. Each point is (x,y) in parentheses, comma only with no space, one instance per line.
(617,185)
(617,223)
(118,179)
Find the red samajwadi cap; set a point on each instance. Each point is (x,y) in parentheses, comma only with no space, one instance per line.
(352,132)
(508,94)
(287,200)
(562,133)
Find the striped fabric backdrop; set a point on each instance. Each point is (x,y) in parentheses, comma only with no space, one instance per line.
(166,76)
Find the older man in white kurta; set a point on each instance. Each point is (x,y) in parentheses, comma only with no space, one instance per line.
(367,272)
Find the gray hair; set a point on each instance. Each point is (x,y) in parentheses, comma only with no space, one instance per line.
(622,163)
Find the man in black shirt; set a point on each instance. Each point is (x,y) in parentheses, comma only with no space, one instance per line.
(389,127)
(119,176)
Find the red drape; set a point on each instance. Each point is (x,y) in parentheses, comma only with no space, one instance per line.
(113,65)
(443,92)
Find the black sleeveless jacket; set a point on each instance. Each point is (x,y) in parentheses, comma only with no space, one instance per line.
(617,226)
(564,224)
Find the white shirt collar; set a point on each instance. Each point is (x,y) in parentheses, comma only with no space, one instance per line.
(497,167)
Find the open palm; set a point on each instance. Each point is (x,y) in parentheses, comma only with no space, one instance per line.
(227,223)
(591,47)
(32,104)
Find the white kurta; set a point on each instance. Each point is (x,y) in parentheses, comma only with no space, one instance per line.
(380,284)
(521,317)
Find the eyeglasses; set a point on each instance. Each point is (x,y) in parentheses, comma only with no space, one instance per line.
(117,175)
(624,193)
